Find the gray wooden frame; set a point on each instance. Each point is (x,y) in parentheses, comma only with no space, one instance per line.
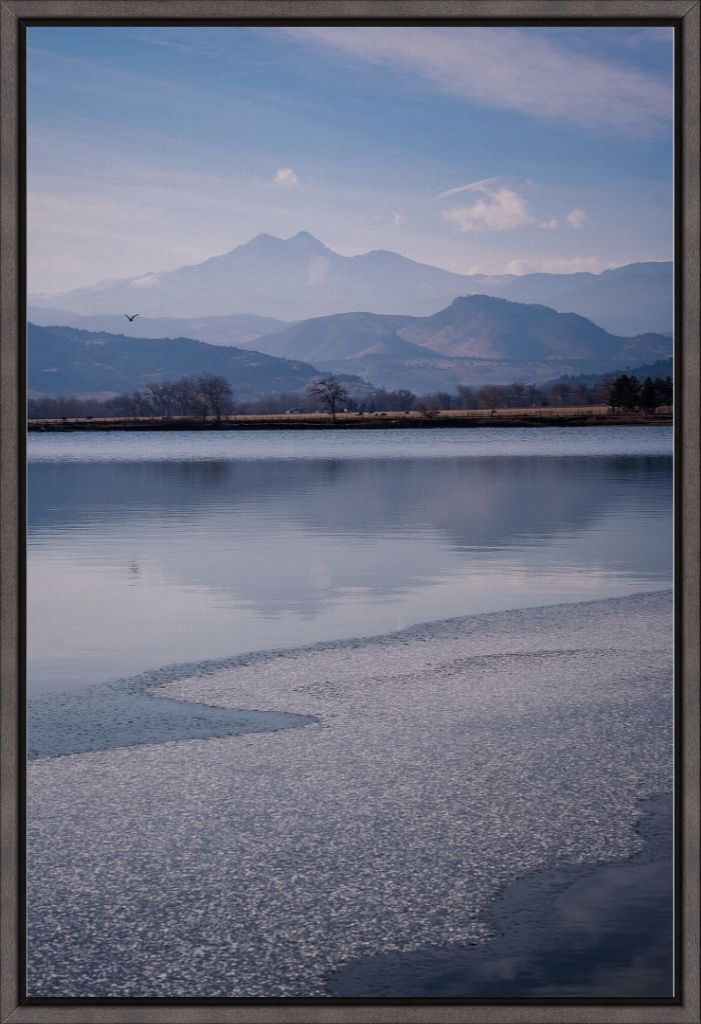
(14,14)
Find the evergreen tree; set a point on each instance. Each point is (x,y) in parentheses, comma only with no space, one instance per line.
(649,399)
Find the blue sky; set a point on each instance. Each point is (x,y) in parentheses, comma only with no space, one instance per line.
(494,150)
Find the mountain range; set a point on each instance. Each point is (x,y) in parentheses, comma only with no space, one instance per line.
(300,278)
(475,340)
(478,339)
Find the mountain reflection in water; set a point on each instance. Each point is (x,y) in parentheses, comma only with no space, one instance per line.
(139,563)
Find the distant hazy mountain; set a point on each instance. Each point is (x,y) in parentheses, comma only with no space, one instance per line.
(342,336)
(491,328)
(477,339)
(629,300)
(239,329)
(64,360)
(287,279)
(299,278)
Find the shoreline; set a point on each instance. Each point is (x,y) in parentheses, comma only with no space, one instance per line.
(368,421)
(151,707)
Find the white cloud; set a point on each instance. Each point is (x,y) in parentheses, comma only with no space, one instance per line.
(285,177)
(513,68)
(576,218)
(147,281)
(398,218)
(502,209)
(559,265)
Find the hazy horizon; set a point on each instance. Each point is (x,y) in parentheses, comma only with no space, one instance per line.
(446,145)
(517,272)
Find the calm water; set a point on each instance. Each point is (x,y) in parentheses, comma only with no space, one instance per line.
(148,549)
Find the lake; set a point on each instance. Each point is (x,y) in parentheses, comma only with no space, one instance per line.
(149,549)
(425,684)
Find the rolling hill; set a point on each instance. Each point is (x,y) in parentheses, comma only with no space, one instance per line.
(63,360)
(477,339)
(238,329)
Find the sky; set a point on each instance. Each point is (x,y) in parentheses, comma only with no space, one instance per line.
(480,150)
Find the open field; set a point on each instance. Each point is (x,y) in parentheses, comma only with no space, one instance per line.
(583,415)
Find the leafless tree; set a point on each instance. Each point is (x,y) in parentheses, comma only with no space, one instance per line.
(404,399)
(186,397)
(491,396)
(560,392)
(159,394)
(516,396)
(135,403)
(330,393)
(607,390)
(216,394)
(467,398)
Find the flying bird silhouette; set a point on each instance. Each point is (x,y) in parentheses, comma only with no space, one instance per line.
(133,317)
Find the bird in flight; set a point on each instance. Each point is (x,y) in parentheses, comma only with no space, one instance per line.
(133,317)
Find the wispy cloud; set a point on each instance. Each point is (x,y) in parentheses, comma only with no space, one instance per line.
(285,177)
(474,186)
(576,218)
(513,68)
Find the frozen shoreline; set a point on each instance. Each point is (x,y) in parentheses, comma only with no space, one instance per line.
(447,760)
(602,930)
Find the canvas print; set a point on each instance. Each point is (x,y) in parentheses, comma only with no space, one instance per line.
(350,664)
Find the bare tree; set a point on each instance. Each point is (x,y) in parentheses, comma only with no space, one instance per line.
(159,394)
(133,404)
(491,396)
(467,399)
(534,396)
(404,399)
(216,394)
(516,396)
(330,393)
(560,392)
(186,396)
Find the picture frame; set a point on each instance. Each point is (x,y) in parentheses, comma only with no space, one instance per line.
(15,17)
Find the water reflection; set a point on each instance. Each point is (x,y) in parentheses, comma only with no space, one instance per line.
(136,563)
(594,931)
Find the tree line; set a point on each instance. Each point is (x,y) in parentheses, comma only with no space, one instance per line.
(201,397)
(626,392)
(211,396)
(619,392)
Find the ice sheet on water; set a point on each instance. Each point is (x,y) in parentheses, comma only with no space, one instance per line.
(447,760)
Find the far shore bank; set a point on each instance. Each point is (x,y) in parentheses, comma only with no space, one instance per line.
(588,416)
